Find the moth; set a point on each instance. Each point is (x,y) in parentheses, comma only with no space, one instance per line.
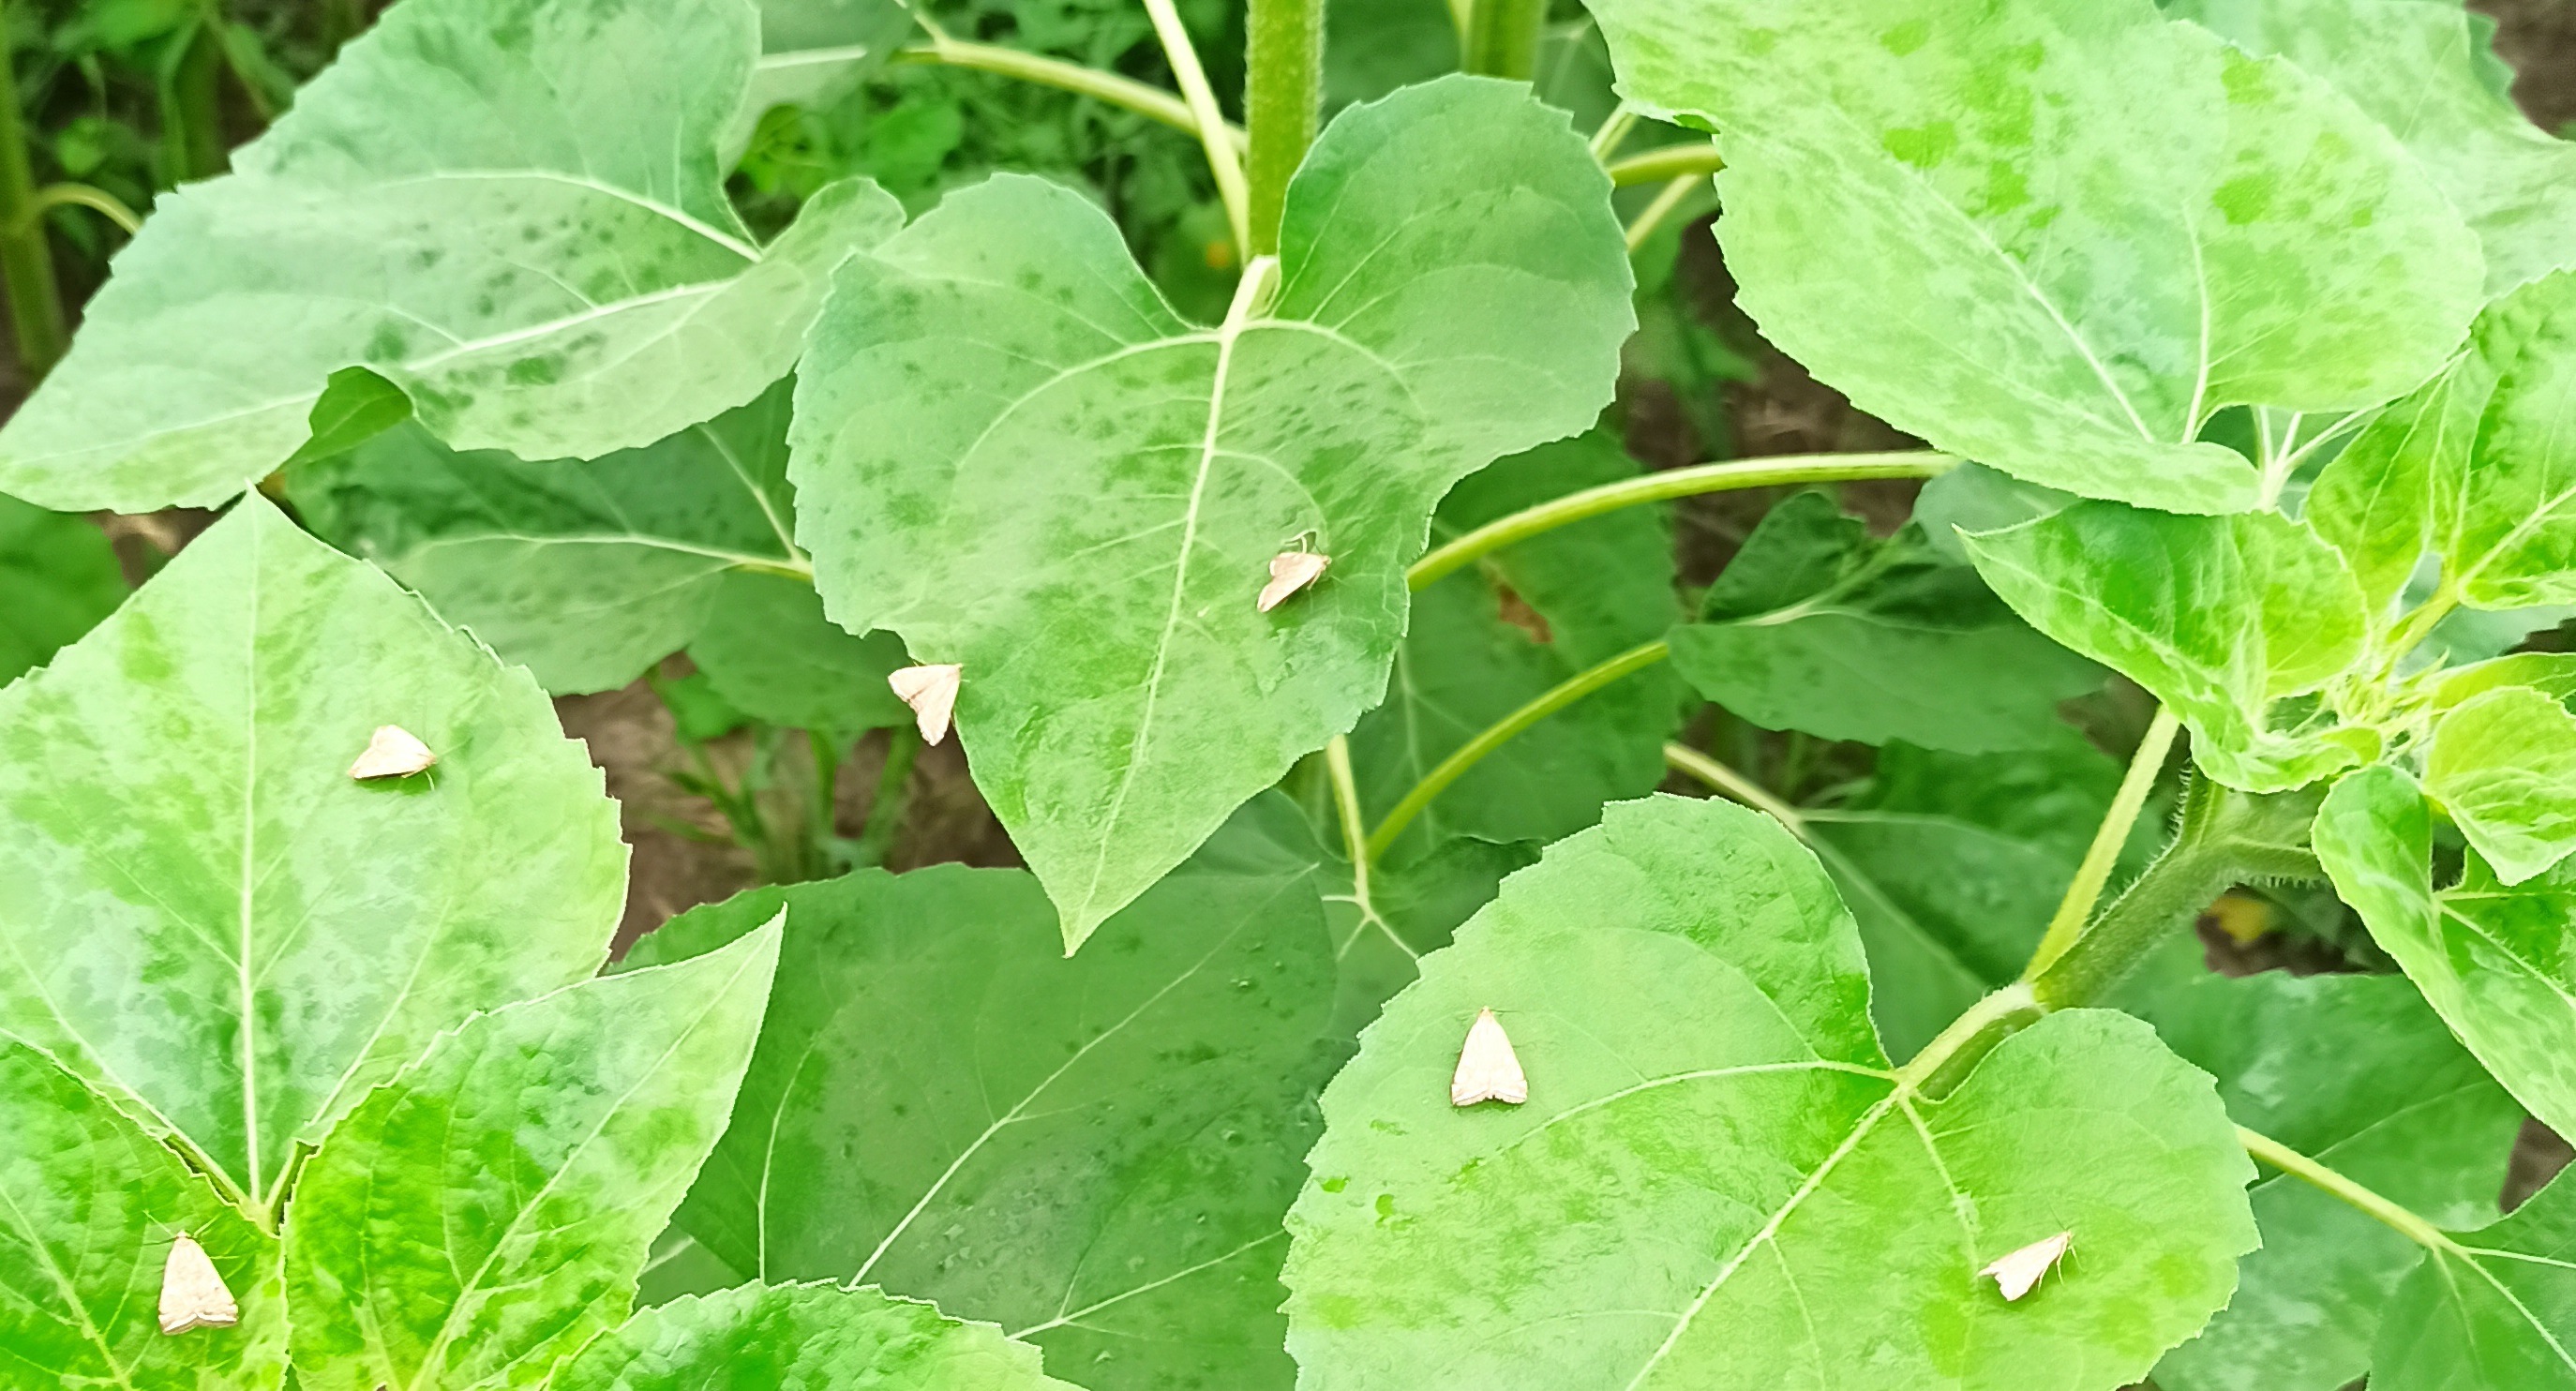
(192,1293)
(1291,571)
(1487,1068)
(394,752)
(2016,1271)
(931,691)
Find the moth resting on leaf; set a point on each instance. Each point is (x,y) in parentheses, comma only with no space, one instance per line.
(1487,1068)
(192,1291)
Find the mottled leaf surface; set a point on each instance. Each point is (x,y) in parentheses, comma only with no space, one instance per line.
(1816,627)
(1009,450)
(510,209)
(1092,1152)
(485,1214)
(810,1337)
(2079,230)
(2504,766)
(2224,619)
(58,576)
(1718,1181)
(2491,1310)
(88,1206)
(207,918)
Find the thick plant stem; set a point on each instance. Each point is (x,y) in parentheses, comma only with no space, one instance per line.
(1735,785)
(1124,92)
(2316,1175)
(1283,95)
(26,262)
(2076,908)
(1468,755)
(1666,485)
(1346,805)
(1223,161)
(1503,38)
(1670,162)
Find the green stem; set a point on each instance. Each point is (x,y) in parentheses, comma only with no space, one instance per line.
(97,200)
(1124,92)
(192,140)
(2419,625)
(1223,160)
(1670,162)
(1572,689)
(1735,785)
(26,261)
(2316,1175)
(1346,802)
(1613,131)
(885,814)
(1283,94)
(2076,908)
(1666,485)
(1655,212)
(1503,38)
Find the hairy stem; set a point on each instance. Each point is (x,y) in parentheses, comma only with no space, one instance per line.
(1127,93)
(1572,689)
(1735,785)
(2076,908)
(2317,1175)
(1668,484)
(1503,38)
(1696,159)
(1223,160)
(1283,94)
(26,261)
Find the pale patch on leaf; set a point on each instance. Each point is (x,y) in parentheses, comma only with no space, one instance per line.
(1487,1068)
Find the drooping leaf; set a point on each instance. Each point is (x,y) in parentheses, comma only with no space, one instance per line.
(58,577)
(2417,67)
(1485,641)
(767,648)
(1816,627)
(2492,959)
(2079,230)
(2224,619)
(2504,766)
(2489,1310)
(810,1337)
(483,1215)
(510,209)
(587,572)
(2474,467)
(1973,497)
(88,1207)
(1010,451)
(1718,1181)
(208,919)
(2357,1072)
(1092,1152)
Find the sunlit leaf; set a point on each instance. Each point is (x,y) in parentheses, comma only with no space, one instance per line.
(2504,766)
(810,1337)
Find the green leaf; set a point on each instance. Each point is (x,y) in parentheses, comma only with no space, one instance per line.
(2474,466)
(2491,1309)
(483,1215)
(2492,959)
(509,209)
(2504,766)
(2358,1073)
(1010,451)
(2552,673)
(1717,1180)
(1484,642)
(810,1337)
(768,649)
(1973,497)
(2416,67)
(2223,619)
(88,1206)
(356,405)
(1092,1152)
(2053,796)
(58,576)
(2079,230)
(208,919)
(812,52)
(1815,627)
(587,572)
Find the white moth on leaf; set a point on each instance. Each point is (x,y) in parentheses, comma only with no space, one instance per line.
(1487,1068)
(931,691)
(1291,571)
(394,752)
(2016,1271)
(192,1293)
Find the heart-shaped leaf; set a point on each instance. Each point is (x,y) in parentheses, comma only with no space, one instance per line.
(810,1337)
(1010,450)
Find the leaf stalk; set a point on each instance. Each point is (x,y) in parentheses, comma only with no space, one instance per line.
(2319,1176)
(1126,93)
(1223,160)
(2076,908)
(1688,160)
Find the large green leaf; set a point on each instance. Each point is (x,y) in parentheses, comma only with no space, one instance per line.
(2415,66)
(1092,1152)
(2057,235)
(58,576)
(2493,959)
(770,652)
(1816,627)
(88,1206)
(208,919)
(485,1214)
(2356,1072)
(810,1337)
(2489,1310)
(2224,619)
(587,572)
(2476,467)
(1718,1181)
(2504,766)
(1484,642)
(511,209)
(1009,450)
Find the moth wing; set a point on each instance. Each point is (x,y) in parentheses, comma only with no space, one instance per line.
(192,1292)
(392,752)
(1290,571)
(931,691)
(1488,1070)
(2016,1272)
